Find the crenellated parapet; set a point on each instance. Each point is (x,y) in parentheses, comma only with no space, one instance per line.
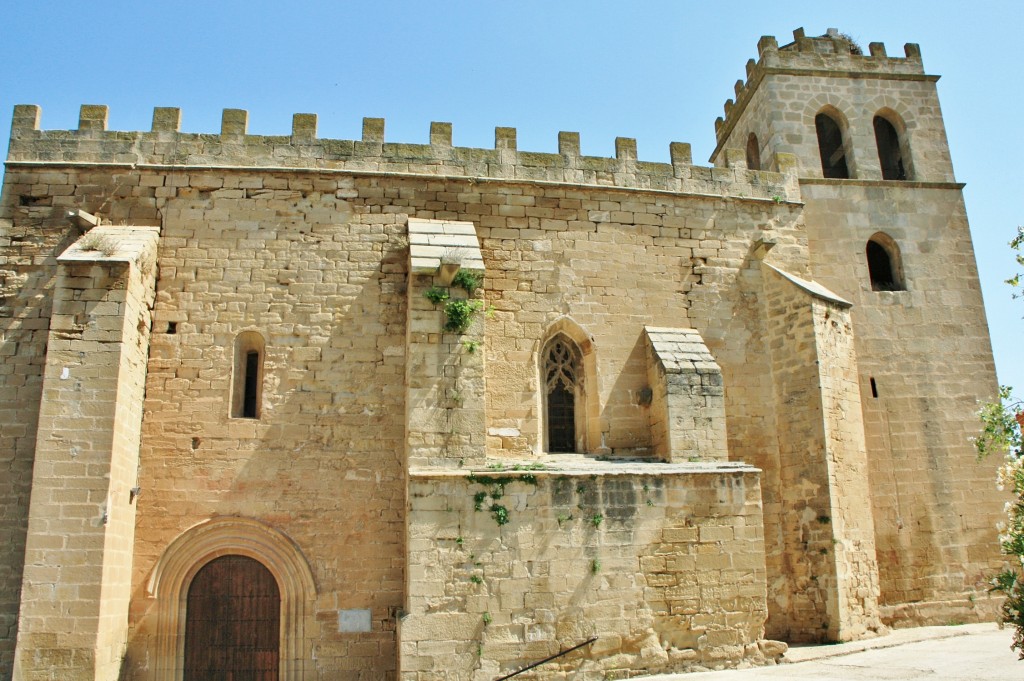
(166,146)
(833,54)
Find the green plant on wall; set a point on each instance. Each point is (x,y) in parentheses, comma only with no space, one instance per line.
(467,280)
(98,242)
(436,294)
(494,489)
(459,314)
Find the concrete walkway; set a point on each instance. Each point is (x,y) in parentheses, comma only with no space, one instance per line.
(972,652)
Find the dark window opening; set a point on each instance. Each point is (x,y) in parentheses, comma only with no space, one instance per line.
(563,386)
(247,376)
(874,388)
(830,146)
(561,420)
(252,372)
(172,328)
(753,153)
(881,268)
(889,154)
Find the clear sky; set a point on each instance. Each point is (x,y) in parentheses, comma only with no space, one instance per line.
(656,71)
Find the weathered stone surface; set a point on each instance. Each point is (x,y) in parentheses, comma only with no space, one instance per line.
(764,446)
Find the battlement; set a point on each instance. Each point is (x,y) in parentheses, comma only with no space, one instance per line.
(834,54)
(166,146)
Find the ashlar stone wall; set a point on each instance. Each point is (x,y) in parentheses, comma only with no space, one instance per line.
(32,234)
(661,564)
(316,263)
(353,482)
(831,591)
(923,354)
(78,555)
(924,358)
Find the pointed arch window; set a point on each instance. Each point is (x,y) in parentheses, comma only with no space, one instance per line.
(247,384)
(564,395)
(890,152)
(885,266)
(831,147)
(753,153)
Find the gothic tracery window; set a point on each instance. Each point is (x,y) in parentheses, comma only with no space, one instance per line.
(563,388)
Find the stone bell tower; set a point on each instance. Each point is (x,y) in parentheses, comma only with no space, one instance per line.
(887,230)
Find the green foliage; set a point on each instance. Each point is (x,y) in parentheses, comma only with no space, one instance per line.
(500,514)
(476,579)
(487,618)
(1002,423)
(1000,431)
(471,345)
(595,566)
(469,281)
(494,489)
(436,294)
(1017,244)
(459,314)
(1001,434)
(596,519)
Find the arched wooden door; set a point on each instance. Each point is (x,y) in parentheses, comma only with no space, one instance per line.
(232,622)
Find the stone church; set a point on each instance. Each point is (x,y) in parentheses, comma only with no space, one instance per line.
(284,407)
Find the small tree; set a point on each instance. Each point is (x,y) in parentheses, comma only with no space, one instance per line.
(1001,432)
(1002,423)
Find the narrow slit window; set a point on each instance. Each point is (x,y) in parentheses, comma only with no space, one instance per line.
(831,148)
(247,384)
(252,371)
(874,388)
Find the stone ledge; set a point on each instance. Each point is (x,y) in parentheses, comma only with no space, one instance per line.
(581,465)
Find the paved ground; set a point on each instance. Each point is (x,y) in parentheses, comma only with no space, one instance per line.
(973,652)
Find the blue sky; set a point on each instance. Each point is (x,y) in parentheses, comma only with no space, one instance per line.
(656,71)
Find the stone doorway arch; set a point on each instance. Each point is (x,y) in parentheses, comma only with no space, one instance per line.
(232,536)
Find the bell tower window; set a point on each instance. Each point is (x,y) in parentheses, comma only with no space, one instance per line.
(753,153)
(885,267)
(890,155)
(831,147)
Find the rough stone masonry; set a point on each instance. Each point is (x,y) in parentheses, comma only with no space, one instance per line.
(435,413)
